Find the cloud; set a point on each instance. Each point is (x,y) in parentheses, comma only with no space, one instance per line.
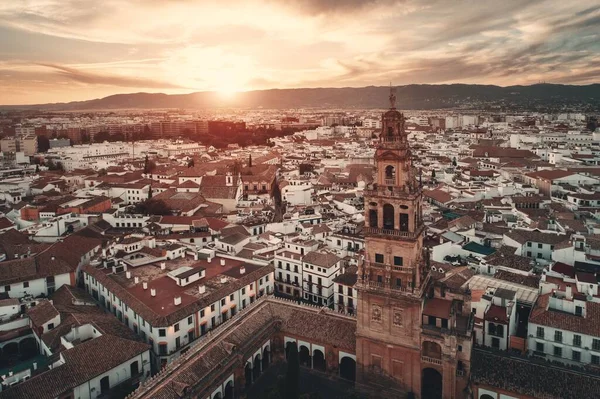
(105,79)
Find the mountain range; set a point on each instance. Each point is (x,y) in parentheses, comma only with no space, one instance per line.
(538,96)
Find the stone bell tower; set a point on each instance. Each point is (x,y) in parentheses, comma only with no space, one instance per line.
(393,276)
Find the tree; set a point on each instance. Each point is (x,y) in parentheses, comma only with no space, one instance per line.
(191,163)
(101,137)
(150,192)
(454,163)
(149,165)
(293,373)
(250,161)
(433,175)
(153,207)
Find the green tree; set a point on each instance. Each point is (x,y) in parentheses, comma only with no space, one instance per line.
(250,161)
(433,175)
(150,192)
(454,163)
(292,374)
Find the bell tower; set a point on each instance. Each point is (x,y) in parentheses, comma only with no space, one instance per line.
(393,276)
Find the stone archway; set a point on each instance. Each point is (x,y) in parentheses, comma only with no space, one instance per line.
(256,368)
(248,374)
(217,395)
(304,356)
(319,360)
(266,358)
(348,368)
(486,396)
(431,384)
(432,349)
(228,390)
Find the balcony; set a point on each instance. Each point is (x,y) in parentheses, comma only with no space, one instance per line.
(427,359)
(392,190)
(403,269)
(390,182)
(394,233)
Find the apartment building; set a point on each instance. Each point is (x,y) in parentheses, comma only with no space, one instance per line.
(319,270)
(170,303)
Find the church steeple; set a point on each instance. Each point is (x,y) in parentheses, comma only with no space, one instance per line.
(392,277)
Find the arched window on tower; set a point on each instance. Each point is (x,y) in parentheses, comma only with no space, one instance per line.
(390,131)
(373,218)
(404,222)
(390,175)
(388,217)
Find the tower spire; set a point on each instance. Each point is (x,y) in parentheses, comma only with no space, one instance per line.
(392,97)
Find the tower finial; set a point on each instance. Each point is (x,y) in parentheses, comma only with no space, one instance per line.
(392,97)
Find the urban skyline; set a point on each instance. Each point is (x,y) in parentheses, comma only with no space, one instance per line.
(59,51)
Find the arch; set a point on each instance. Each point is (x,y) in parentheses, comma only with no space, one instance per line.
(266,358)
(217,395)
(319,360)
(304,356)
(134,369)
(256,368)
(228,390)
(486,396)
(104,385)
(390,172)
(10,349)
(431,384)
(388,217)
(28,347)
(248,374)
(390,131)
(373,219)
(288,347)
(432,350)
(348,368)
(403,221)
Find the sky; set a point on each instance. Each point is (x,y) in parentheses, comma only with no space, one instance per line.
(71,50)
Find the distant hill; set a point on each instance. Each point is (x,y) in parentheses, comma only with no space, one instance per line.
(539,96)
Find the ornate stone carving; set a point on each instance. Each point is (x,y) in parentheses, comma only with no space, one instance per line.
(397,319)
(376,313)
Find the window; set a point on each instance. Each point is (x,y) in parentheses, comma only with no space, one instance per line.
(398,282)
(176,326)
(398,261)
(26,284)
(231,297)
(577,340)
(7,288)
(539,346)
(529,244)
(190,320)
(50,326)
(576,356)
(177,343)
(495,343)
(223,302)
(595,360)
(244,291)
(558,336)
(540,246)
(539,256)
(162,332)
(540,332)
(378,258)
(578,310)
(557,351)
(162,349)
(596,344)
(460,348)
(202,313)
(380,279)
(212,308)
(529,253)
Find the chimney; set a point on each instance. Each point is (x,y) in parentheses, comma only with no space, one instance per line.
(152,292)
(136,280)
(242,270)
(177,300)
(128,274)
(202,289)
(163,265)
(145,285)
(209,259)
(223,280)
(222,262)
(569,293)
